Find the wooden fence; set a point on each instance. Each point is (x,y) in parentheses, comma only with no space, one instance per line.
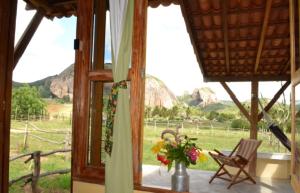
(196,126)
(31,130)
(36,175)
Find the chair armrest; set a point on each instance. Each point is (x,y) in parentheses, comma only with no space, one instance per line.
(218,152)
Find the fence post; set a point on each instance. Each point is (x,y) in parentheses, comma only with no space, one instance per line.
(25,145)
(67,143)
(36,172)
(154,125)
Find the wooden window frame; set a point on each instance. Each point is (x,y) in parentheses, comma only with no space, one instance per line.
(83,76)
(8,10)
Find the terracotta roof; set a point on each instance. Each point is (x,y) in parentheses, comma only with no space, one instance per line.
(156,3)
(226,37)
(67,8)
(53,8)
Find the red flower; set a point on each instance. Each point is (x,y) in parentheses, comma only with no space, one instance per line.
(163,159)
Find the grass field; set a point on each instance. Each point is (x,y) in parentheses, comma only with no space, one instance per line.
(218,136)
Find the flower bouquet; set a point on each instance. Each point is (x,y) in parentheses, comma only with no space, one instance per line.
(181,149)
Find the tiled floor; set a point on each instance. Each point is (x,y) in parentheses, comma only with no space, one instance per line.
(155,176)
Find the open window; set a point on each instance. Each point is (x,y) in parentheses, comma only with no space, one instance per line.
(92,85)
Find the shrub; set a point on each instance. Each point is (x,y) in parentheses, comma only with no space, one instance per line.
(240,123)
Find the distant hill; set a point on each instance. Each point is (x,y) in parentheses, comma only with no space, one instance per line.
(42,85)
(200,97)
(220,106)
(158,94)
(61,85)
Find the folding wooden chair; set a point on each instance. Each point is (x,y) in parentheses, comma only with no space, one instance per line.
(238,158)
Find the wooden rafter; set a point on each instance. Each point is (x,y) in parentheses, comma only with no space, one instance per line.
(262,35)
(225,32)
(286,67)
(236,101)
(26,37)
(274,99)
(247,78)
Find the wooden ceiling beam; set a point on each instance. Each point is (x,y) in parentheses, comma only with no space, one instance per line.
(225,32)
(263,32)
(246,49)
(26,37)
(236,101)
(214,12)
(248,38)
(274,99)
(235,78)
(286,67)
(241,26)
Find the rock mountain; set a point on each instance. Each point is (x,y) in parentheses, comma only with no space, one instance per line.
(157,93)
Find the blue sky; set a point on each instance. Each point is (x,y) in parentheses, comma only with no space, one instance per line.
(170,55)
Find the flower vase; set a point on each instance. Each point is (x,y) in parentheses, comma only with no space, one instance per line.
(180,178)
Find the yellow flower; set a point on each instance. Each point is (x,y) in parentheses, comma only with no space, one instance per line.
(202,157)
(157,147)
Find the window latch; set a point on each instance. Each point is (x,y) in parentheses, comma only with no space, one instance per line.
(76,44)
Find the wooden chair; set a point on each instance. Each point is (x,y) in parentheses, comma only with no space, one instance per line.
(239,158)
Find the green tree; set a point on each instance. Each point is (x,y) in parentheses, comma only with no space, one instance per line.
(147,113)
(173,112)
(27,101)
(188,113)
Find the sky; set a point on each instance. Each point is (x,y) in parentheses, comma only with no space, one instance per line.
(170,56)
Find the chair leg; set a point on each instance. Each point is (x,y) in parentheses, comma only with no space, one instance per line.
(234,179)
(249,177)
(216,174)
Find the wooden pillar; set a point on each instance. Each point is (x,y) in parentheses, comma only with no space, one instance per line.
(254,121)
(27,36)
(138,85)
(8,11)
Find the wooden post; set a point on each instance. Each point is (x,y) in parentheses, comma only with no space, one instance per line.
(36,171)
(254,120)
(67,144)
(8,10)
(25,145)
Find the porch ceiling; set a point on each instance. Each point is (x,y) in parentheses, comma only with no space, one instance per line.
(240,40)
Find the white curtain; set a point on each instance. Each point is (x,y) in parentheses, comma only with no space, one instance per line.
(118,167)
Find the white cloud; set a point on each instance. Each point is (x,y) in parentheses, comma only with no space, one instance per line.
(45,55)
